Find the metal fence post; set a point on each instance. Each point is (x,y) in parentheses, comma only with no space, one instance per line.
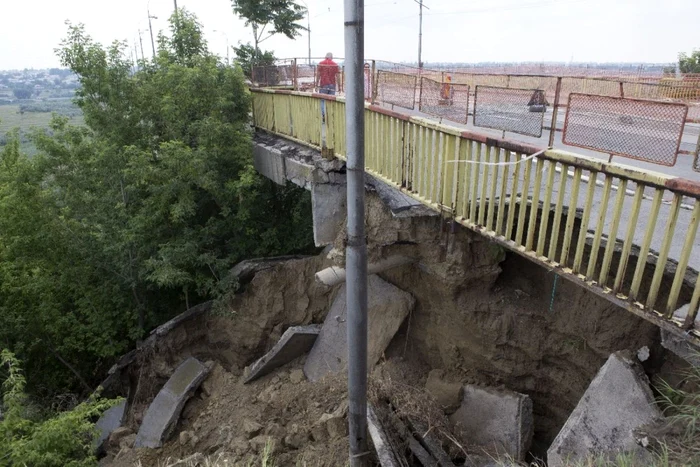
(295,83)
(622,89)
(373,82)
(555,109)
(356,250)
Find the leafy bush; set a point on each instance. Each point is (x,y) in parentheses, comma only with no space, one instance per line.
(63,440)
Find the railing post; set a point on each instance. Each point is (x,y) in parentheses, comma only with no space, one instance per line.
(295,84)
(555,110)
(373,82)
(622,89)
(420,92)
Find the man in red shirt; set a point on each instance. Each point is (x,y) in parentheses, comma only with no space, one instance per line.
(327,75)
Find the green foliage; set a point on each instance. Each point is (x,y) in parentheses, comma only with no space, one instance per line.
(22,93)
(114,227)
(63,440)
(280,15)
(248,56)
(689,63)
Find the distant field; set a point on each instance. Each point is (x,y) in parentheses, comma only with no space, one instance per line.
(10,118)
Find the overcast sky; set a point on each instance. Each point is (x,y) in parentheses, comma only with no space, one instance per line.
(453,30)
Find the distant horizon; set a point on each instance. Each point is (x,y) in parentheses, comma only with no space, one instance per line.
(436,62)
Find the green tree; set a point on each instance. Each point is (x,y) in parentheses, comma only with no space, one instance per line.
(277,16)
(63,440)
(248,57)
(689,63)
(115,227)
(22,93)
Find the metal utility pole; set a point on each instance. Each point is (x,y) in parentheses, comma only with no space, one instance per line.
(150,29)
(356,250)
(420,32)
(308,27)
(141,42)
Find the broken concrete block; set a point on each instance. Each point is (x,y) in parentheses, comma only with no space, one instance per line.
(328,207)
(108,422)
(498,421)
(295,342)
(299,173)
(448,395)
(680,347)
(388,306)
(270,162)
(385,453)
(163,413)
(617,402)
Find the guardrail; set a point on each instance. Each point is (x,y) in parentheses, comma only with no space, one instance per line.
(625,234)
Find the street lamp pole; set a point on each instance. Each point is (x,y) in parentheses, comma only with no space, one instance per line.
(308,28)
(228,61)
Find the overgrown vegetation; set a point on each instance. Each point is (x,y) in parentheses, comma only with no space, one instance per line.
(63,440)
(118,225)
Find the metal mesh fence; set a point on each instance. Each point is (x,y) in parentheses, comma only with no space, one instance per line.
(639,129)
(445,100)
(273,75)
(396,89)
(508,109)
(306,77)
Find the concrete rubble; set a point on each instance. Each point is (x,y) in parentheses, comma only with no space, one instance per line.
(617,402)
(163,413)
(498,421)
(388,306)
(295,342)
(108,422)
(328,203)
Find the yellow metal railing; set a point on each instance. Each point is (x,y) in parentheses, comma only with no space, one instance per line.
(627,235)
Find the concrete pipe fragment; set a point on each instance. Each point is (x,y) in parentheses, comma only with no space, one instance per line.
(335,275)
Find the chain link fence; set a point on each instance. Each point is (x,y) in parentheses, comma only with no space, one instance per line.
(306,77)
(507,109)
(273,75)
(643,130)
(505,102)
(444,100)
(396,89)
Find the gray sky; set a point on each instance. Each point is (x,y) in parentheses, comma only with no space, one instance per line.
(453,30)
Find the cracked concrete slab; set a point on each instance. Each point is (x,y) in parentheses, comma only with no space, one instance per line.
(295,342)
(618,401)
(163,413)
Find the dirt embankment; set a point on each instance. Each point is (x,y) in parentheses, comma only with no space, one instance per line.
(481,315)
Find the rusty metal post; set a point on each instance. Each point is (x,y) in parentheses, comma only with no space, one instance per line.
(622,89)
(555,110)
(295,83)
(420,93)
